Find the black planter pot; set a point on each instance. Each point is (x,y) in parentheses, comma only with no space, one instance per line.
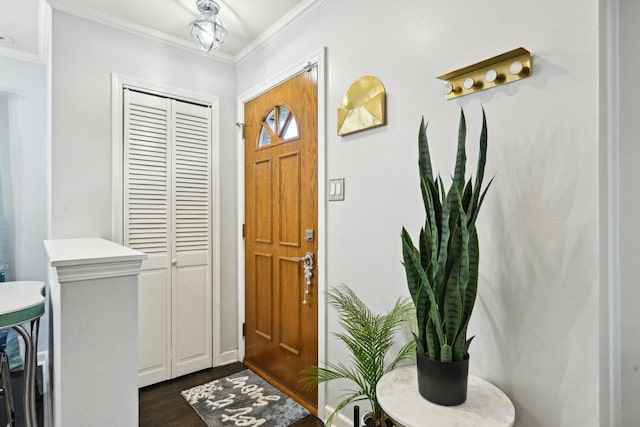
(442,383)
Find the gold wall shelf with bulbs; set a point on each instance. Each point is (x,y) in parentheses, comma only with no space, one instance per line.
(497,71)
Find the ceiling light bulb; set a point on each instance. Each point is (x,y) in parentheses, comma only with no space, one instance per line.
(447,89)
(468,83)
(491,76)
(516,68)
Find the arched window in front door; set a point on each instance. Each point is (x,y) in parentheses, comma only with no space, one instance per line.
(279,125)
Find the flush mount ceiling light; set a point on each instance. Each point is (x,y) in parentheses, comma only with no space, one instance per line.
(207,31)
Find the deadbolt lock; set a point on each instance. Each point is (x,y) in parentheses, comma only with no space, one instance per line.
(308,235)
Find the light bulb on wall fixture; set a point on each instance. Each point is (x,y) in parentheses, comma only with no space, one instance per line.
(207,30)
(468,83)
(516,68)
(491,76)
(447,88)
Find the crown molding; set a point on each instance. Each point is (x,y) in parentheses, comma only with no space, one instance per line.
(139,30)
(39,57)
(21,55)
(80,273)
(263,39)
(276,29)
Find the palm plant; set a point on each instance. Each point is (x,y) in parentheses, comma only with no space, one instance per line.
(369,337)
(442,272)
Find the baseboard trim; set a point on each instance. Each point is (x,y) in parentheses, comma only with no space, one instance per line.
(43,358)
(228,357)
(47,404)
(339,420)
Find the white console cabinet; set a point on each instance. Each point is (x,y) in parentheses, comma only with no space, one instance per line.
(94,301)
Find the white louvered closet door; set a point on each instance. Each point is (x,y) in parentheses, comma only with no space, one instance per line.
(192,320)
(167,194)
(147,204)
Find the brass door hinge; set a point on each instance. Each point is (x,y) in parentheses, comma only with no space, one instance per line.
(240,126)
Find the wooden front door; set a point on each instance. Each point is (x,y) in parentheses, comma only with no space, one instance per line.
(281,214)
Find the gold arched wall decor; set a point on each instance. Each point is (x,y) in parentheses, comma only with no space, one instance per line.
(363,106)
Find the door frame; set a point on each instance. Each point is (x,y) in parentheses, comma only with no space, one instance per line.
(609,225)
(316,58)
(118,83)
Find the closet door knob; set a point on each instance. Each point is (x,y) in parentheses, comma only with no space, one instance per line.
(174,261)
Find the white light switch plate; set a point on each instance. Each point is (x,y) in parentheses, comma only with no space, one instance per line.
(336,189)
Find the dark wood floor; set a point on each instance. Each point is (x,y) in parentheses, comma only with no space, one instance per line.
(162,405)
(17,383)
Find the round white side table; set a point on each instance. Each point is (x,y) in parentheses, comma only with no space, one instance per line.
(486,404)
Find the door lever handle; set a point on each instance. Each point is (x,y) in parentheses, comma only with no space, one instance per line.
(307,261)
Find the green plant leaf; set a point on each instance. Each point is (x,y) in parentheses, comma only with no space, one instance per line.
(453,305)
(419,346)
(467,195)
(453,201)
(473,221)
(424,158)
(431,220)
(454,216)
(414,281)
(407,352)
(340,406)
(433,347)
(445,353)
(463,274)
(482,159)
(434,312)
(461,156)
(439,279)
(467,344)
(472,283)
(443,194)
(459,344)
(434,217)
(425,249)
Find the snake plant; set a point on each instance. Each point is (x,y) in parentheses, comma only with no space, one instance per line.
(442,270)
(369,337)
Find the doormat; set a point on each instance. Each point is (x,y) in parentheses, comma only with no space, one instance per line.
(243,399)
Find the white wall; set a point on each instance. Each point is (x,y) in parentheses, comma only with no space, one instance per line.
(23,85)
(536,317)
(629,211)
(84,56)
(23,152)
